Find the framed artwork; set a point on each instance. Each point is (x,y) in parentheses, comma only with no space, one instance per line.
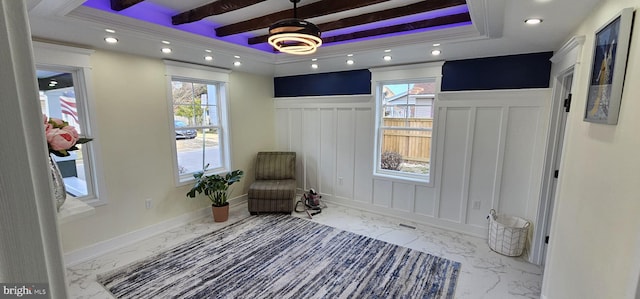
(608,67)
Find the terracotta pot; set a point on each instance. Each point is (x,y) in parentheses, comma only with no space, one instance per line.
(220,214)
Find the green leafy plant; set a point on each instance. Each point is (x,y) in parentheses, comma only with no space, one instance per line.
(214,186)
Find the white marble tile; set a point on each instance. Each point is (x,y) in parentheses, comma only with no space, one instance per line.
(484,273)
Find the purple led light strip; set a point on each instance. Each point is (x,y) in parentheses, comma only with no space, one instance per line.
(159,15)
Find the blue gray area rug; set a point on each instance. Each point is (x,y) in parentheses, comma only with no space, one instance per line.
(280,256)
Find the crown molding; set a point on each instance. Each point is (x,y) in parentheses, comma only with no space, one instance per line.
(573,43)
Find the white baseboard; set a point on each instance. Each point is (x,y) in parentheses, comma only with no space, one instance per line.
(92,251)
(405,216)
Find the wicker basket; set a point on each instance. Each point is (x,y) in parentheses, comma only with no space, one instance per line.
(507,234)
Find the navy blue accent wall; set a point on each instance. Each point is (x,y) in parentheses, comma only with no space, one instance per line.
(503,72)
(325,84)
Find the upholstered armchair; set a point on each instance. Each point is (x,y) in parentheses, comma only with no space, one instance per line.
(274,188)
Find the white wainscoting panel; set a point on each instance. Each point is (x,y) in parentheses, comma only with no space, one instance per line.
(455,143)
(310,143)
(489,148)
(382,193)
(327,151)
(403,197)
(296,143)
(363,155)
(518,159)
(425,201)
(345,152)
(484,164)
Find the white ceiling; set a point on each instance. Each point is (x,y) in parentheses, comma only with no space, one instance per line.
(498,29)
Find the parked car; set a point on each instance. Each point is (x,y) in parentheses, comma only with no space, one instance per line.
(184,134)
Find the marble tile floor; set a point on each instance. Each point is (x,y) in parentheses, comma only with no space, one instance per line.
(484,273)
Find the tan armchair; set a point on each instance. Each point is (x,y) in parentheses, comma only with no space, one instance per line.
(274,189)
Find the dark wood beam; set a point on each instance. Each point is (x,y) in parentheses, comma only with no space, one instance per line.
(440,21)
(214,8)
(316,9)
(119,5)
(416,8)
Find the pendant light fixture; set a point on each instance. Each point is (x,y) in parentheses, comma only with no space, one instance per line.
(295,36)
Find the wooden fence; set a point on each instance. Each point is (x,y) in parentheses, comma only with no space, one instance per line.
(412,145)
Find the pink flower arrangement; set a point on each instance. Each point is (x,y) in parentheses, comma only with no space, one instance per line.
(61,137)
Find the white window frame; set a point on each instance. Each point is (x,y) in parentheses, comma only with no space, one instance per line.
(76,61)
(179,71)
(424,72)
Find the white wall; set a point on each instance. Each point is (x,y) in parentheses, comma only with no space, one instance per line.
(135,137)
(594,248)
(489,149)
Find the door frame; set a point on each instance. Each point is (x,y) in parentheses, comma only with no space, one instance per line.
(564,63)
(555,149)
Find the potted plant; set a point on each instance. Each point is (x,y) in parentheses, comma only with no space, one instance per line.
(216,187)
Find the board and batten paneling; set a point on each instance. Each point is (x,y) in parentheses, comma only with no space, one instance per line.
(488,154)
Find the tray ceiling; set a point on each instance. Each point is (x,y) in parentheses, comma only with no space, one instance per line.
(363,29)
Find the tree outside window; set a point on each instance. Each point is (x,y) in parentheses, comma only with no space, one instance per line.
(197,126)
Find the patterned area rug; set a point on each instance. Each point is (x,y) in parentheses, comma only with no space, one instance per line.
(280,256)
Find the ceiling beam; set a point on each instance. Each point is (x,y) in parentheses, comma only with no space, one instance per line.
(316,9)
(411,9)
(214,8)
(440,21)
(119,5)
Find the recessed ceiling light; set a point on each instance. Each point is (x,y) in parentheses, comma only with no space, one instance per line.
(110,30)
(387,57)
(166,42)
(54,82)
(349,55)
(237,63)
(387,50)
(436,45)
(207,50)
(111,39)
(236,57)
(314,66)
(435,52)
(315,59)
(350,62)
(208,58)
(533,21)
(166,50)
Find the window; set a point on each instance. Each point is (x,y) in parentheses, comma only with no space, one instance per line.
(405,122)
(62,75)
(405,127)
(199,121)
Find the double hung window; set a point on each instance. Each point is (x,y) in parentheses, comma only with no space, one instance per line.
(63,75)
(199,120)
(405,128)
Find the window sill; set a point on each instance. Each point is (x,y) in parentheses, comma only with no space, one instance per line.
(404,179)
(74,209)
